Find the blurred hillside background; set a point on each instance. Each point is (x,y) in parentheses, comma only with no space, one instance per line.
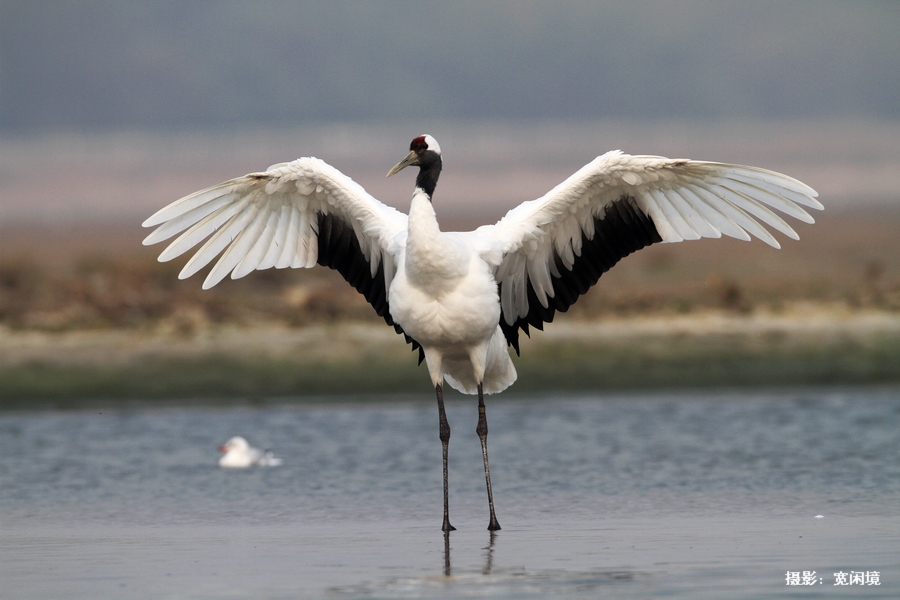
(111,110)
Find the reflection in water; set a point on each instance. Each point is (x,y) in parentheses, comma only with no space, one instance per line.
(446,554)
(488,555)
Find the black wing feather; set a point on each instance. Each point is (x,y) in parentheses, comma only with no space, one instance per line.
(623,229)
(339,250)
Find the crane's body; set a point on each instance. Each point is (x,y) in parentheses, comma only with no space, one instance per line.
(461,298)
(444,296)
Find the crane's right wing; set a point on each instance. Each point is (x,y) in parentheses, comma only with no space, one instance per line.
(556,247)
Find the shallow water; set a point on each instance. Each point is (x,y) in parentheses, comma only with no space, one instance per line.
(706,495)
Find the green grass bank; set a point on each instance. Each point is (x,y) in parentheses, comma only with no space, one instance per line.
(695,351)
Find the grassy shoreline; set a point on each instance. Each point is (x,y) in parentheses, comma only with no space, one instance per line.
(808,346)
(88,314)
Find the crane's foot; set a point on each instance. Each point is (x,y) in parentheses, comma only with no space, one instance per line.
(482,431)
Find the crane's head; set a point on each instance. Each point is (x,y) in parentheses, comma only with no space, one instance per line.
(424,152)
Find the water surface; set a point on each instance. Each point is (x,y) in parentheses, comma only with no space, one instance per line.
(692,495)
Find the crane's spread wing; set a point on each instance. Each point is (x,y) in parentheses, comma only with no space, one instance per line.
(556,247)
(295,214)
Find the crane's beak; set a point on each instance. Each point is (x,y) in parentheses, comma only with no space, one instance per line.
(411,159)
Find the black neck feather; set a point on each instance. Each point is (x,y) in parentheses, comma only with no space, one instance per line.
(429,171)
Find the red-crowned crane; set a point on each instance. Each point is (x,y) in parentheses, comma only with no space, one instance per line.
(461,298)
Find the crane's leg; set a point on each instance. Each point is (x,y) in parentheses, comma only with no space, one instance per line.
(445,442)
(482,431)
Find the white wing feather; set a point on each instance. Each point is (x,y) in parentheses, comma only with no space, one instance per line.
(685,199)
(269,219)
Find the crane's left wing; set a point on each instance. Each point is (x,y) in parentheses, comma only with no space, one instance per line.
(296,214)
(556,247)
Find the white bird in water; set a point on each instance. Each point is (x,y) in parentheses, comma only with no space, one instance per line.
(461,298)
(239,454)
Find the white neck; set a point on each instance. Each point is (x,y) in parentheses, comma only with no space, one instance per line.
(431,258)
(423,223)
